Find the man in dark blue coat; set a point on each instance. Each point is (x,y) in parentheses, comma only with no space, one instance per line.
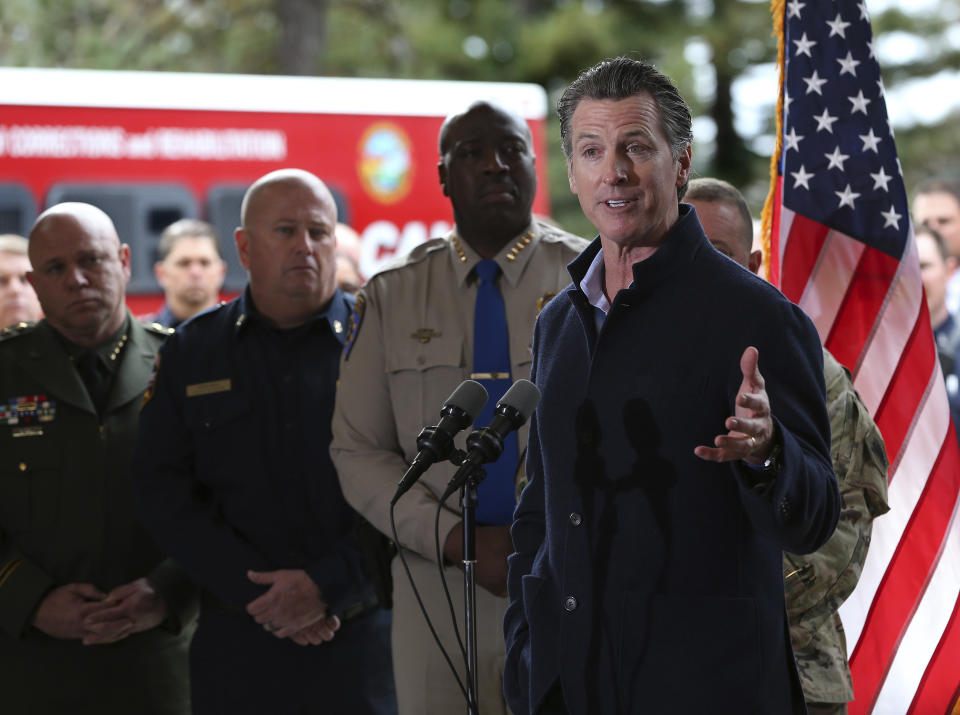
(647,573)
(235,482)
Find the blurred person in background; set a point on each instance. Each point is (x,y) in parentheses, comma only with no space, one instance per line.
(18,301)
(936,203)
(190,270)
(349,278)
(937,267)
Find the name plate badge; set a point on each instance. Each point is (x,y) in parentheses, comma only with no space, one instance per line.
(208,388)
(28,431)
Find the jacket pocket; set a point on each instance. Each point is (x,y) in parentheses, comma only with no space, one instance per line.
(222,426)
(421,377)
(29,487)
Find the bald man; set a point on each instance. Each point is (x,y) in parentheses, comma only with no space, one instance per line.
(18,300)
(93,619)
(234,477)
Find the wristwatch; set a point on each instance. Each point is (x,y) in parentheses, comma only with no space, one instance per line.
(771,465)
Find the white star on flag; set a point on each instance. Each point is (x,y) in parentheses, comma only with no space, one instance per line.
(848,64)
(846,197)
(870,141)
(837,159)
(859,103)
(891,218)
(804,45)
(880,180)
(838,27)
(814,83)
(841,246)
(801,178)
(825,121)
(792,139)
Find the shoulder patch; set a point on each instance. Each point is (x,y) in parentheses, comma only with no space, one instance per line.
(417,255)
(544,299)
(151,383)
(353,324)
(555,234)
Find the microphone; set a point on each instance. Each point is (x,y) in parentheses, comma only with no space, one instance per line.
(486,444)
(436,443)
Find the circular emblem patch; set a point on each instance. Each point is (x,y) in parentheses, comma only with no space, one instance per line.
(385,165)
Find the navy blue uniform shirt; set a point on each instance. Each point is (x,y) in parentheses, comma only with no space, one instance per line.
(232,468)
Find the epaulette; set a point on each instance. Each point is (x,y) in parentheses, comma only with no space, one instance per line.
(158,329)
(17,329)
(554,234)
(417,255)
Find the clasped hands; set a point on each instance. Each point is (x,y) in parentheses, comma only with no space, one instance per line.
(292,607)
(81,611)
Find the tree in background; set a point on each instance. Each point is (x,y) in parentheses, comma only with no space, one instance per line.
(711,48)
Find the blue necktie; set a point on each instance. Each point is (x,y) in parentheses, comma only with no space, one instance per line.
(491,355)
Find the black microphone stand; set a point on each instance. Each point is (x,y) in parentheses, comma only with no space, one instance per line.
(488,446)
(468,505)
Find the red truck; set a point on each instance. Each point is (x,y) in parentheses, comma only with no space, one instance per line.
(153,147)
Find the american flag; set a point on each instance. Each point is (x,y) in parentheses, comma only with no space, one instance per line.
(842,247)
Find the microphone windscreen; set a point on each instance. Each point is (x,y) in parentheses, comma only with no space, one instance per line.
(523,396)
(470,396)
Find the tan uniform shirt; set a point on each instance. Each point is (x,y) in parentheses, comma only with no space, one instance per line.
(412,348)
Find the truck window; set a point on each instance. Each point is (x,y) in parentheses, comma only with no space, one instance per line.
(18,209)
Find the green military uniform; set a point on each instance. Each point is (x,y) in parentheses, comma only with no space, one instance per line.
(410,346)
(818,583)
(67,516)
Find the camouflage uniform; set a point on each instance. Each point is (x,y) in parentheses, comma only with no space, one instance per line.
(816,584)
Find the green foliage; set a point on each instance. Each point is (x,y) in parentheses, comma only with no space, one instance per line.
(542,41)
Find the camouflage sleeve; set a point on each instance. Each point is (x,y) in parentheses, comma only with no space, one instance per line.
(818,583)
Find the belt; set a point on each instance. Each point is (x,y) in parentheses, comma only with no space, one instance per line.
(358,609)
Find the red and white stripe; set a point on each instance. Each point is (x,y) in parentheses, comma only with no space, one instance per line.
(903,620)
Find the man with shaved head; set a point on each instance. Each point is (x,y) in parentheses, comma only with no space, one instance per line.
(234,478)
(92,617)
(461,306)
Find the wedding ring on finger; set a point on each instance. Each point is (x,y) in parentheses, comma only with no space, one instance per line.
(753,442)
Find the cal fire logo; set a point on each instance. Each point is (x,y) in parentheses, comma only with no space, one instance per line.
(385,165)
